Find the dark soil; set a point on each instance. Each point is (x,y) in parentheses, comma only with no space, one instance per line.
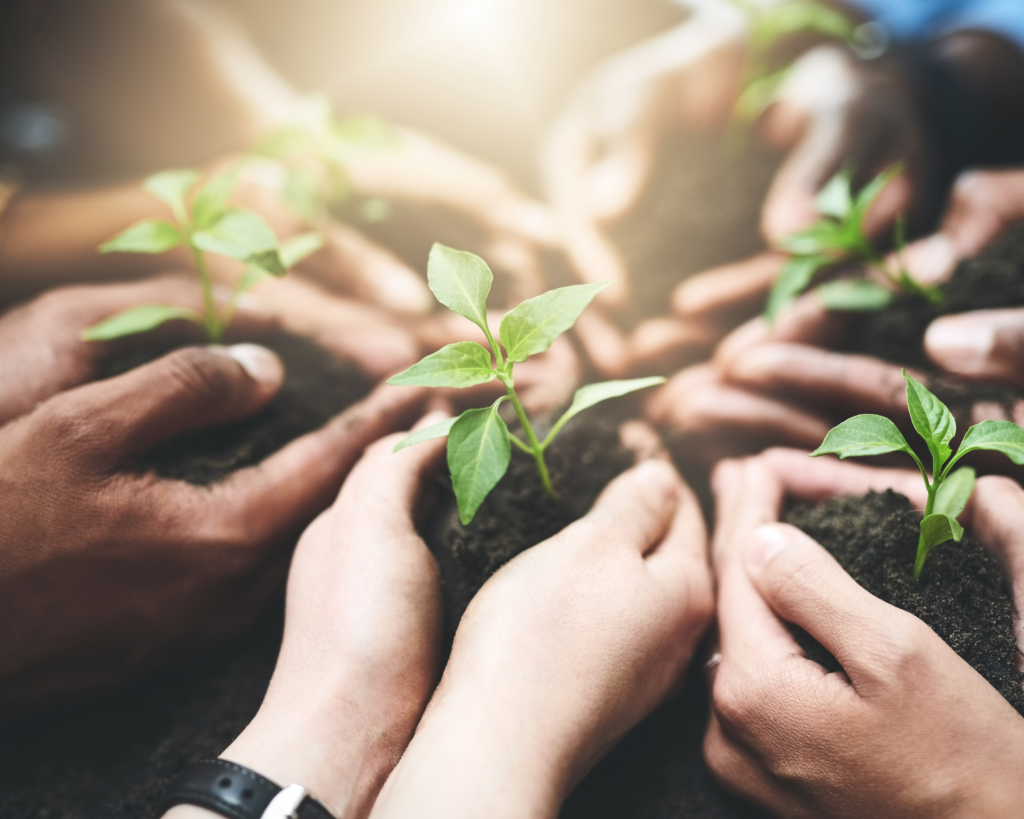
(993,279)
(317,387)
(963,594)
(701,209)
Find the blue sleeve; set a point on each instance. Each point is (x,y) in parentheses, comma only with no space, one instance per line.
(907,19)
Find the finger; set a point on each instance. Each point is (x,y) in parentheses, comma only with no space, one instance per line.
(187,390)
(381,492)
(985,344)
(735,766)
(994,517)
(804,585)
(681,558)
(740,288)
(351,261)
(635,509)
(665,344)
(814,479)
(605,345)
(596,259)
(614,183)
(853,383)
(747,495)
(270,500)
(982,204)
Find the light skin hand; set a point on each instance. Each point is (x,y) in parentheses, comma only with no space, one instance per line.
(561,652)
(805,743)
(108,572)
(362,638)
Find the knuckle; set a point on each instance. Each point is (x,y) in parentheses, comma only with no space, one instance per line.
(734,697)
(974,187)
(200,374)
(80,433)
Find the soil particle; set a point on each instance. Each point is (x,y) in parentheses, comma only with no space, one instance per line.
(993,279)
(963,594)
(317,387)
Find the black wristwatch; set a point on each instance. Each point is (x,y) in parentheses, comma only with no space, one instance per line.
(234,791)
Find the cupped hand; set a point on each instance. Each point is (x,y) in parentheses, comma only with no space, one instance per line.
(559,654)
(599,154)
(107,572)
(41,342)
(909,730)
(362,639)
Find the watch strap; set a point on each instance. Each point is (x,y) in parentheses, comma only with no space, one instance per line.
(232,790)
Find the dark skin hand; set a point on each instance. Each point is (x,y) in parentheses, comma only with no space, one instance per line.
(908,729)
(106,572)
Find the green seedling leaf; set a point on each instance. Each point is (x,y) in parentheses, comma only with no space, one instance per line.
(151,236)
(854,296)
(251,276)
(592,394)
(460,365)
(866,198)
(479,451)
(240,234)
(908,284)
(461,282)
(863,435)
(297,248)
(796,276)
(825,238)
(269,261)
(427,434)
(211,201)
(954,492)
(364,134)
(836,198)
(932,420)
(996,436)
(935,529)
(533,326)
(172,187)
(138,320)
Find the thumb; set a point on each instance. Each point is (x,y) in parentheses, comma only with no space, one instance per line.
(805,586)
(986,344)
(635,509)
(187,390)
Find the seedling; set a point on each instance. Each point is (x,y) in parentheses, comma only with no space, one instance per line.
(479,441)
(315,149)
(948,490)
(767,25)
(206,224)
(839,238)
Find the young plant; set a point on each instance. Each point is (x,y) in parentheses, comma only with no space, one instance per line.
(479,442)
(839,238)
(315,149)
(204,224)
(767,24)
(948,490)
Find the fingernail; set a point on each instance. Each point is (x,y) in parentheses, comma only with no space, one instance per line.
(263,366)
(931,260)
(769,540)
(657,475)
(960,344)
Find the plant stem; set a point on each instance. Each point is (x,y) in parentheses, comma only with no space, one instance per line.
(928,509)
(213,325)
(536,449)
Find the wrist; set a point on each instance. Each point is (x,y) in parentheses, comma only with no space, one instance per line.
(324,744)
(473,758)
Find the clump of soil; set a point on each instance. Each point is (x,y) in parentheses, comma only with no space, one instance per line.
(993,279)
(701,209)
(317,387)
(963,594)
(518,514)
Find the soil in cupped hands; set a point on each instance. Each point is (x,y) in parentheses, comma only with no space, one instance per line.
(993,279)
(317,387)
(963,595)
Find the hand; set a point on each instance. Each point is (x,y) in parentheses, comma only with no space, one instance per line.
(600,152)
(804,743)
(361,640)
(559,654)
(42,348)
(107,572)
